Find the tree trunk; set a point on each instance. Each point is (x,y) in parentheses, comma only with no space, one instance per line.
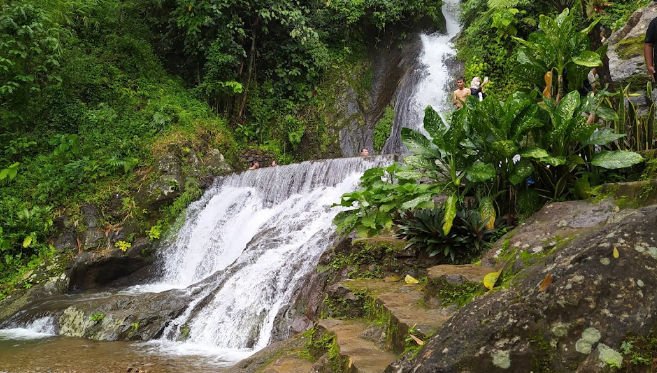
(249,73)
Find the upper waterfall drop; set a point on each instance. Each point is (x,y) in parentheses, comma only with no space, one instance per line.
(436,86)
(430,82)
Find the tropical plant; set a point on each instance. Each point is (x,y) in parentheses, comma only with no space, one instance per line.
(422,228)
(567,145)
(386,191)
(560,48)
(640,129)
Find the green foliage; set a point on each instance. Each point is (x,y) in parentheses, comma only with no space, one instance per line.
(616,13)
(385,192)
(122,245)
(96,317)
(30,57)
(155,232)
(560,47)
(83,99)
(383,128)
(467,238)
(639,129)
(458,294)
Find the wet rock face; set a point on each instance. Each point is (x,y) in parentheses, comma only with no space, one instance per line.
(133,317)
(91,270)
(601,289)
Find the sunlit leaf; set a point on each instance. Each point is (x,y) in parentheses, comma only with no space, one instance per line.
(411,280)
(450,213)
(491,278)
(616,159)
(545,283)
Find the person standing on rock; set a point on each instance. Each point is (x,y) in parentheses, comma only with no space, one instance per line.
(476,87)
(461,93)
(649,48)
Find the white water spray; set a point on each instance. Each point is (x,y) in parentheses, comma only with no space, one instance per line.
(430,83)
(246,244)
(43,327)
(437,86)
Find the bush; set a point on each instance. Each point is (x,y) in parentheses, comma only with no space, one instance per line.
(468,237)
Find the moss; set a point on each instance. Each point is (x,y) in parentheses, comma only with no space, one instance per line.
(626,203)
(541,353)
(370,257)
(630,47)
(450,293)
(383,128)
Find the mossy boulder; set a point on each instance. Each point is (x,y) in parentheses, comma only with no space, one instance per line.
(626,62)
(570,313)
(625,52)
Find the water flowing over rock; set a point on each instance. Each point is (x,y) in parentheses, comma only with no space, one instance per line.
(250,240)
(235,264)
(428,80)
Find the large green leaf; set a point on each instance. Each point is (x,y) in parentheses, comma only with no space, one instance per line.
(505,148)
(433,123)
(588,59)
(566,110)
(480,172)
(418,144)
(408,205)
(603,137)
(554,161)
(521,171)
(409,175)
(535,153)
(421,162)
(616,159)
(450,213)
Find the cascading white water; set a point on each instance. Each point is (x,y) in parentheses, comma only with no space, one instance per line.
(43,327)
(436,85)
(246,243)
(429,80)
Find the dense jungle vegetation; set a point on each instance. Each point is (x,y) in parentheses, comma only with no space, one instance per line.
(541,138)
(92,92)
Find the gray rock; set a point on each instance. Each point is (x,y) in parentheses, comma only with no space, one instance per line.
(626,46)
(580,319)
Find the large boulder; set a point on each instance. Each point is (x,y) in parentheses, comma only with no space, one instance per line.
(626,61)
(91,270)
(570,313)
(626,46)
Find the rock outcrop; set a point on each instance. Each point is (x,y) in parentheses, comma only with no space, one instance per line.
(625,53)
(626,47)
(569,313)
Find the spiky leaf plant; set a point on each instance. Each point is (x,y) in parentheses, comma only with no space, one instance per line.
(468,236)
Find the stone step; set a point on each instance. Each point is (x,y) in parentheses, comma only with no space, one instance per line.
(289,364)
(405,302)
(459,274)
(361,355)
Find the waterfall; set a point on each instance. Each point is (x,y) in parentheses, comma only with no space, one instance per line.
(42,327)
(247,243)
(429,82)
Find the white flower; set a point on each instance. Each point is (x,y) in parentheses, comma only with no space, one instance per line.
(516,158)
